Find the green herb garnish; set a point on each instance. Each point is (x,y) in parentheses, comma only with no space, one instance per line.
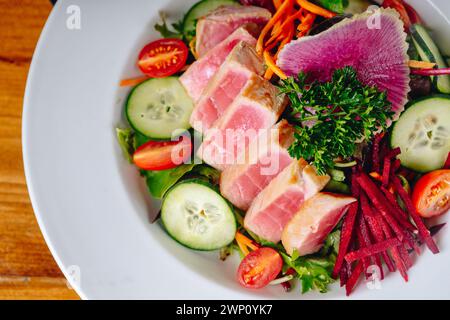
(166,32)
(331,117)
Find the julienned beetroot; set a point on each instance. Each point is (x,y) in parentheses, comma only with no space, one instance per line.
(377,228)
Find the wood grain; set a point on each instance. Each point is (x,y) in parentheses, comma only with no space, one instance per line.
(27,268)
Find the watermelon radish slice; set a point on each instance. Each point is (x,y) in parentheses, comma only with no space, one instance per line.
(379,55)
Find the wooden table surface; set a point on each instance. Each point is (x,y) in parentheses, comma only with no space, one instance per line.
(27,268)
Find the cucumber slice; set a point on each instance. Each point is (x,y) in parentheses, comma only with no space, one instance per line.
(423,134)
(199,10)
(157,108)
(428,51)
(197,216)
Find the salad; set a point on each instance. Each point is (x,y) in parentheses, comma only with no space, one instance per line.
(311,137)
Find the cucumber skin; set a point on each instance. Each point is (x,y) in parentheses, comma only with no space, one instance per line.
(410,104)
(192,10)
(205,183)
(126,111)
(435,95)
(418,41)
(128,118)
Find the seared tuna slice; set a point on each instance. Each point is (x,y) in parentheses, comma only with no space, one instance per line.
(198,75)
(274,207)
(223,21)
(256,109)
(377,51)
(262,161)
(317,217)
(240,65)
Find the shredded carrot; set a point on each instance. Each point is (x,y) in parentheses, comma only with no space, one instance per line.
(309,18)
(291,19)
(375,175)
(421,64)
(270,72)
(271,65)
(192,48)
(276,28)
(246,241)
(315,9)
(281,30)
(287,4)
(272,42)
(243,248)
(277,3)
(132,81)
(306,24)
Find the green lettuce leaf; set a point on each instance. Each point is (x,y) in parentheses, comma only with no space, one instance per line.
(208,172)
(337,6)
(165,30)
(127,142)
(314,271)
(158,182)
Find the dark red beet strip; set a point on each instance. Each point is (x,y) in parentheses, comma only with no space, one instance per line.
(372,250)
(346,235)
(433,231)
(286,286)
(364,239)
(376,152)
(398,213)
(387,166)
(408,174)
(447,162)
(394,153)
(386,171)
(367,239)
(413,243)
(366,260)
(343,275)
(399,262)
(380,202)
(395,165)
(353,279)
(375,229)
(405,257)
(423,231)
(431,72)
(364,231)
(394,252)
(379,265)
(374,225)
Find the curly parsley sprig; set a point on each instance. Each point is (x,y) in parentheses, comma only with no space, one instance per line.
(331,117)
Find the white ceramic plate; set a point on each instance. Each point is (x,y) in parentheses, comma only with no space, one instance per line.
(91,205)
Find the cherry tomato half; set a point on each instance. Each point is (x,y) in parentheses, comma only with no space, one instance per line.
(163,58)
(431,195)
(162,155)
(398,5)
(259,268)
